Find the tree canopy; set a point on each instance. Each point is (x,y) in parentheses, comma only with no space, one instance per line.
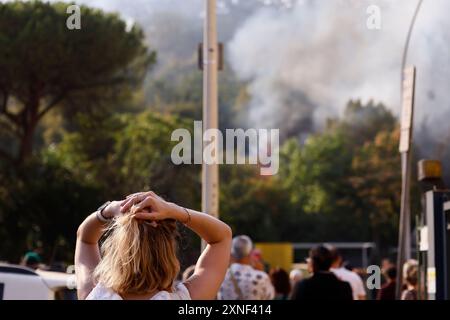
(43,64)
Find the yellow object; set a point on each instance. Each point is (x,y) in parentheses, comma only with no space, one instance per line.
(429,169)
(277,254)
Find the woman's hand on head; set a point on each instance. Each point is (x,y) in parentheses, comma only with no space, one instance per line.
(112,210)
(149,206)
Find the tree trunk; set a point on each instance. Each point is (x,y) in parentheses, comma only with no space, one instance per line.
(26,145)
(29,124)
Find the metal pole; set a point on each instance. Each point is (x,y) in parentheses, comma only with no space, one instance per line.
(404,244)
(403,224)
(210,172)
(407,175)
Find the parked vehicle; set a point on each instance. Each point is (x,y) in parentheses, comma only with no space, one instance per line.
(22,283)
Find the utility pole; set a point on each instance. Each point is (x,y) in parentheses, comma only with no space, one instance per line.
(404,238)
(210,172)
(407,92)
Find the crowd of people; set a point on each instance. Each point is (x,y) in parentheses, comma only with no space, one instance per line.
(138,260)
(328,278)
(409,285)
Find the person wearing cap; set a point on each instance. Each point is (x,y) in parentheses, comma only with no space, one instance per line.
(323,285)
(32,260)
(359,293)
(242,281)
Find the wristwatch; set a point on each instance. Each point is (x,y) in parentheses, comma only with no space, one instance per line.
(100,215)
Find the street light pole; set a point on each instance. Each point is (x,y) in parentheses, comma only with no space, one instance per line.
(210,172)
(404,239)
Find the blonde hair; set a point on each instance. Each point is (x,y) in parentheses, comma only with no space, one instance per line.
(138,258)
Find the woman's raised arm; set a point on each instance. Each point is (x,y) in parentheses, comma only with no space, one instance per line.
(213,262)
(87,253)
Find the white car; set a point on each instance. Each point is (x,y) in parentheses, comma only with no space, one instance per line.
(22,283)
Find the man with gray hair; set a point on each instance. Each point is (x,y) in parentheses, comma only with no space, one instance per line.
(242,281)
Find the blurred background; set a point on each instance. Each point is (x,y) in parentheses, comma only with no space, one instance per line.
(86,116)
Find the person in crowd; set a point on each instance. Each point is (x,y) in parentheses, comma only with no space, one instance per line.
(257,261)
(32,259)
(295,276)
(347,265)
(242,281)
(139,260)
(323,285)
(410,270)
(387,291)
(359,292)
(281,283)
(386,263)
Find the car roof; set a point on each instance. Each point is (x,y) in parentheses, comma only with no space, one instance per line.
(55,279)
(16,269)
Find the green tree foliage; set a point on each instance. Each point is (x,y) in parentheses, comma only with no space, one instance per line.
(254,205)
(42,208)
(376,179)
(316,178)
(331,188)
(344,183)
(178,90)
(125,154)
(361,123)
(43,64)
(128,153)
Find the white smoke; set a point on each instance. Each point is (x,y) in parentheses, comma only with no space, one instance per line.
(309,61)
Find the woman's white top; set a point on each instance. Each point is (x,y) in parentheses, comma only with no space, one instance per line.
(100,292)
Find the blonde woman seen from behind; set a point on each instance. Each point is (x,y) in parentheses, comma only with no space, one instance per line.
(138,261)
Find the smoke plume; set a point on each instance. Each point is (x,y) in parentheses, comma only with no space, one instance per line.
(302,65)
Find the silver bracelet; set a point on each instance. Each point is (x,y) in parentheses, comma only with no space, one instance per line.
(101,218)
